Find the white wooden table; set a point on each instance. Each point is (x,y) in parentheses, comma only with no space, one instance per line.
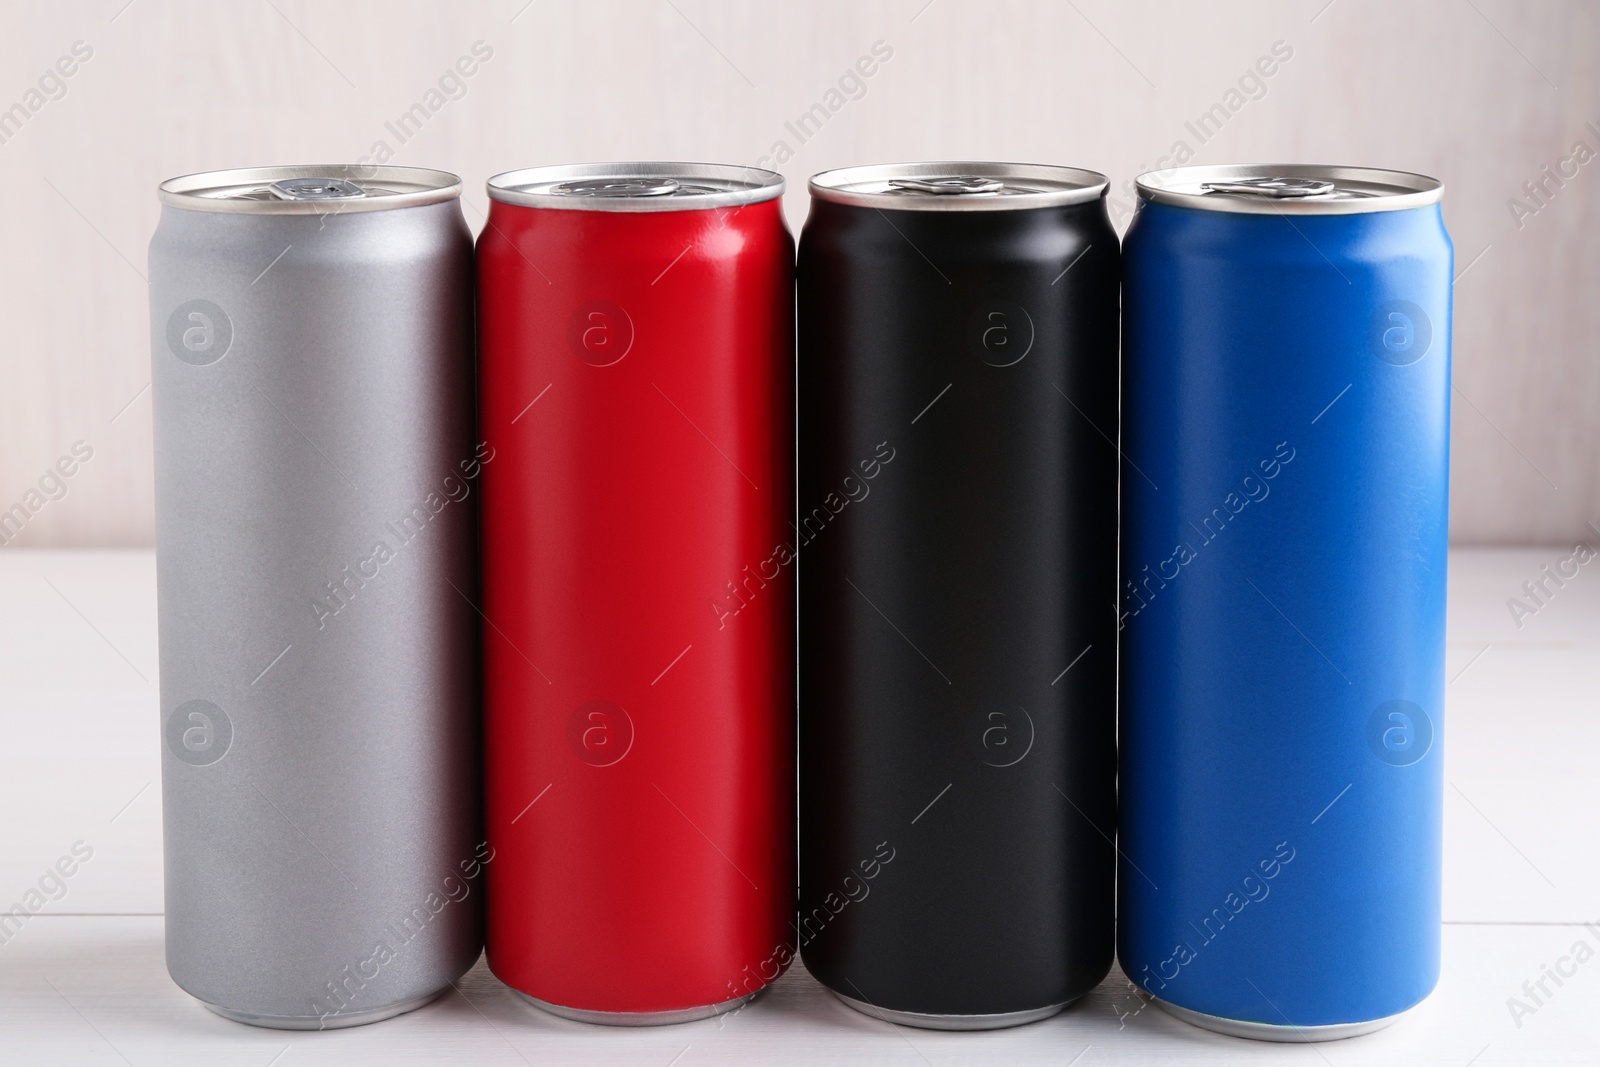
(84,981)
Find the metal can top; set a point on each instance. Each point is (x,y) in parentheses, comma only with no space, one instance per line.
(958,186)
(1290,189)
(309,190)
(636,186)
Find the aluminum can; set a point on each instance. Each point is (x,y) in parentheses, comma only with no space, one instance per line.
(315,464)
(637,365)
(1286,397)
(957,534)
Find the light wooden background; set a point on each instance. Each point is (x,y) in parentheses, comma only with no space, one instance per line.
(1482,93)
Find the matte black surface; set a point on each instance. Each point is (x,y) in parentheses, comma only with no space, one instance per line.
(941,602)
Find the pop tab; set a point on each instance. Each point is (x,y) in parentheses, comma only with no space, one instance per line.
(633,187)
(617,187)
(315,189)
(956,185)
(1279,187)
(1288,188)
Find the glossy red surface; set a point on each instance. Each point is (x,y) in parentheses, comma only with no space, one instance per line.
(636,384)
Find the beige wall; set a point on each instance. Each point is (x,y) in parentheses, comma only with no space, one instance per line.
(1481,93)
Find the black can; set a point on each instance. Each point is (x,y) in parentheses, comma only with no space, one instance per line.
(957,554)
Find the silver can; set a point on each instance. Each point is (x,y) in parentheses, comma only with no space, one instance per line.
(315,472)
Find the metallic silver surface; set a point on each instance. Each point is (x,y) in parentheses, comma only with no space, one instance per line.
(315,189)
(1276,187)
(954,1022)
(261,190)
(636,186)
(957,186)
(608,187)
(1356,190)
(342,1021)
(640,1018)
(1275,1031)
(315,463)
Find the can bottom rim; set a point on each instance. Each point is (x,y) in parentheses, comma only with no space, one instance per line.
(930,1021)
(335,1021)
(640,1018)
(1283,1032)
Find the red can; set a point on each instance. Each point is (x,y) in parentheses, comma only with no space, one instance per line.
(636,369)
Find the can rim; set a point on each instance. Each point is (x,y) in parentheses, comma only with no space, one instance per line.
(203,190)
(1410,190)
(759,185)
(1078,186)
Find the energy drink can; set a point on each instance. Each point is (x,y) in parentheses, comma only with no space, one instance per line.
(315,458)
(957,534)
(1286,396)
(637,362)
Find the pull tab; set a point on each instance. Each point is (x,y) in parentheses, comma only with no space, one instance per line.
(618,187)
(1275,188)
(956,185)
(316,189)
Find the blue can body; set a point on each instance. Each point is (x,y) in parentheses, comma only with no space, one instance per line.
(1286,400)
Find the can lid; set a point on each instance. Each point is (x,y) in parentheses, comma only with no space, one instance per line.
(636,186)
(958,186)
(1289,188)
(309,190)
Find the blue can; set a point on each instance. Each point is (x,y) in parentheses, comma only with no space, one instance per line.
(1286,410)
